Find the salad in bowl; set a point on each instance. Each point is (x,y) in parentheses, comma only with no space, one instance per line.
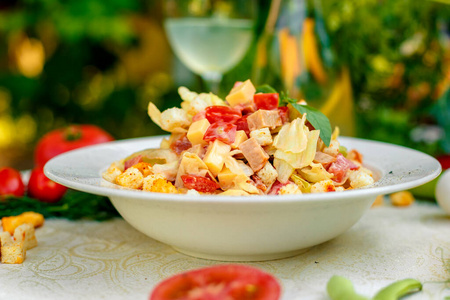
(254,142)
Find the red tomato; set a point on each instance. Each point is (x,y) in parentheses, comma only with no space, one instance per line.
(43,189)
(445,161)
(266,101)
(199,183)
(224,132)
(237,282)
(242,124)
(224,114)
(284,113)
(11,183)
(65,139)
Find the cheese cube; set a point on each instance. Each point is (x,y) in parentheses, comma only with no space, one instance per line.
(215,156)
(226,178)
(262,136)
(242,94)
(241,136)
(197,131)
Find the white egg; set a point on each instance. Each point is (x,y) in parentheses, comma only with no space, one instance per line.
(443,191)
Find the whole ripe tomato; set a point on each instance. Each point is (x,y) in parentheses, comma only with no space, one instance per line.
(64,139)
(11,183)
(44,189)
(237,282)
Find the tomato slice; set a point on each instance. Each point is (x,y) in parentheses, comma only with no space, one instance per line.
(284,113)
(236,282)
(199,183)
(266,101)
(242,124)
(224,132)
(224,114)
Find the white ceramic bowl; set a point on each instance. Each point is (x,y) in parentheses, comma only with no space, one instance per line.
(242,228)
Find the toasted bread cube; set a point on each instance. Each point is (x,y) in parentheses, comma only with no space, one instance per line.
(262,136)
(144,168)
(241,94)
(112,173)
(323,186)
(360,178)
(25,233)
(11,252)
(215,156)
(403,198)
(11,223)
(173,119)
(268,174)
(132,178)
(241,137)
(290,189)
(158,184)
(197,131)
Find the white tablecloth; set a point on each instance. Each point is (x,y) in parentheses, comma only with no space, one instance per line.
(111,260)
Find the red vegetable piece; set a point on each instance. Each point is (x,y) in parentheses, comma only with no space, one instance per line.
(180,145)
(198,116)
(237,282)
(44,189)
(242,124)
(340,168)
(266,101)
(284,113)
(224,132)
(199,183)
(64,139)
(132,161)
(224,114)
(11,183)
(276,187)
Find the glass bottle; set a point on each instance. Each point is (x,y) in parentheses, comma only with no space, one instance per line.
(294,55)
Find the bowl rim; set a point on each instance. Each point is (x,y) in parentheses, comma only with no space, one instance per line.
(99,186)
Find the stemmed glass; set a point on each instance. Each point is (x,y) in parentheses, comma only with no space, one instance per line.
(209,36)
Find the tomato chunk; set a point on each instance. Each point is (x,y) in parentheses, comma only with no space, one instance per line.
(199,183)
(237,282)
(242,124)
(284,113)
(224,132)
(224,114)
(266,101)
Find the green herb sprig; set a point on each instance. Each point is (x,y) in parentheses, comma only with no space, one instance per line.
(317,119)
(74,205)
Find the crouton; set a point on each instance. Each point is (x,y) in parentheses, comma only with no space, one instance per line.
(360,178)
(290,189)
(11,223)
(268,174)
(323,186)
(11,252)
(144,168)
(111,173)
(25,233)
(131,178)
(262,136)
(158,184)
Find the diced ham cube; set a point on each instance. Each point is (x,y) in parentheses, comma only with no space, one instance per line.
(264,118)
(254,153)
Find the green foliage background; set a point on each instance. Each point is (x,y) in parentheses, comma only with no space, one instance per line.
(83,79)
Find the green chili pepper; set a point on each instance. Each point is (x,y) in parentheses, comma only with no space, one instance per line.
(340,288)
(398,289)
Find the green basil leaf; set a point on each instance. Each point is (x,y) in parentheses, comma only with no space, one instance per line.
(317,119)
(265,89)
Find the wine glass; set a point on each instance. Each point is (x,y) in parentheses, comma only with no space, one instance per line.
(209,36)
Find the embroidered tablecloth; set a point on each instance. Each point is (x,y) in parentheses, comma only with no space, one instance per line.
(111,260)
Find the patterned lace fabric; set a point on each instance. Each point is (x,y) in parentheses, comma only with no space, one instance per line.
(111,260)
